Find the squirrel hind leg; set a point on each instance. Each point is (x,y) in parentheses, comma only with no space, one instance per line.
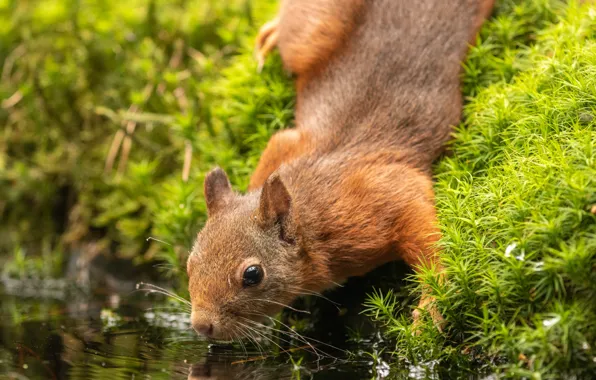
(312,31)
(267,40)
(427,303)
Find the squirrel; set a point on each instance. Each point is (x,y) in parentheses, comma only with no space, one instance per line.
(350,187)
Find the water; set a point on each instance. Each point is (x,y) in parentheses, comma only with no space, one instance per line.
(54,332)
(51,329)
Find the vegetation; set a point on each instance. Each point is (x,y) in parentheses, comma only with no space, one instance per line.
(113,112)
(517,204)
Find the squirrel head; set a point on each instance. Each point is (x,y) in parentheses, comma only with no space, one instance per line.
(246,263)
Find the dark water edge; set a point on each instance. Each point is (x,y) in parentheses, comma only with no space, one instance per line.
(53,331)
(44,338)
(50,329)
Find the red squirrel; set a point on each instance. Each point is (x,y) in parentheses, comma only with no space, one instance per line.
(349,188)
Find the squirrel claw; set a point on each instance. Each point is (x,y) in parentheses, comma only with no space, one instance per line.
(435,315)
(260,63)
(266,42)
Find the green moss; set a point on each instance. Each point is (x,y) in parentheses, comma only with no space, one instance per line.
(515,204)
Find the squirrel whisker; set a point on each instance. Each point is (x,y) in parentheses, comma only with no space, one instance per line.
(182,309)
(312,339)
(280,304)
(297,336)
(260,325)
(306,292)
(259,333)
(245,334)
(159,289)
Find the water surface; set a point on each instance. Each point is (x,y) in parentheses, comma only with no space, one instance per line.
(55,332)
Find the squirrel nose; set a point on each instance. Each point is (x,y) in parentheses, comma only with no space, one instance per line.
(202,324)
(205,329)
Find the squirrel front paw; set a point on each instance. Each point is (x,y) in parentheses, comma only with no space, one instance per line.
(428,304)
(266,41)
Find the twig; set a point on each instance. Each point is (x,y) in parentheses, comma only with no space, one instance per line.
(21,347)
(187,160)
(12,100)
(177,55)
(115,147)
(139,117)
(113,152)
(127,143)
(18,52)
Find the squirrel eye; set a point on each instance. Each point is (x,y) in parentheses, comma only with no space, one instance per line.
(253,275)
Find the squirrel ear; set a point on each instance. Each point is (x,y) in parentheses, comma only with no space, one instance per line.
(275,201)
(218,191)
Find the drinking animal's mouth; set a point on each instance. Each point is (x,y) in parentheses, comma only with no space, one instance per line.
(221,342)
(220,345)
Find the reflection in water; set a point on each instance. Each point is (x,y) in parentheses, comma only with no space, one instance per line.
(49,331)
(218,369)
(223,367)
(133,337)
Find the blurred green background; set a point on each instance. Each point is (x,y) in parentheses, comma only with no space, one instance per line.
(112,112)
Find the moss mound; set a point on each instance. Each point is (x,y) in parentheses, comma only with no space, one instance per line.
(517,203)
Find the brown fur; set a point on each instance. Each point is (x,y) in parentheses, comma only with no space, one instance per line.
(312,31)
(349,188)
(284,146)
